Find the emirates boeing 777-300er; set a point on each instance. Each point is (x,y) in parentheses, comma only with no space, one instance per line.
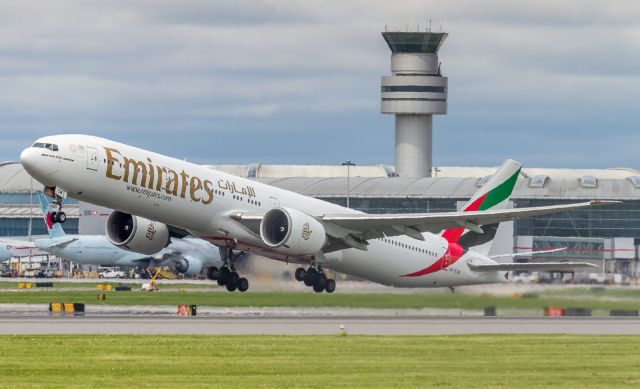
(156,197)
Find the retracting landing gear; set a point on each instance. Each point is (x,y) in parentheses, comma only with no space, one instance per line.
(315,278)
(227,274)
(56,216)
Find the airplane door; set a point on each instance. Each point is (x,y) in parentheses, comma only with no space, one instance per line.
(92,158)
(274,202)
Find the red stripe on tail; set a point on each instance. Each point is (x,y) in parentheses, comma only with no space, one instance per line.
(453,234)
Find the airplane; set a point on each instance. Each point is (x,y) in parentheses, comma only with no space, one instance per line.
(5,253)
(155,197)
(188,255)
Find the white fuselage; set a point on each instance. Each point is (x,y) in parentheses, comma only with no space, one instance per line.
(200,201)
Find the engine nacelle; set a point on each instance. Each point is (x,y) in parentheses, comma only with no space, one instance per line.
(189,266)
(137,234)
(292,232)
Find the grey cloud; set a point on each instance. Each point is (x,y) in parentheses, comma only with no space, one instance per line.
(246,68)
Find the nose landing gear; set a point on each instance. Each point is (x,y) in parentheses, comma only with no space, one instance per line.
(315,278)
(56,216)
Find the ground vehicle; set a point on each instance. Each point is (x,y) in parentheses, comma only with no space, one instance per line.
(107,272)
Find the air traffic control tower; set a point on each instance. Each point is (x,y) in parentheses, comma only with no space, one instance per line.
(414,93)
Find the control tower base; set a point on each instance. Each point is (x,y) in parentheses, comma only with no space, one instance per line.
(413,145)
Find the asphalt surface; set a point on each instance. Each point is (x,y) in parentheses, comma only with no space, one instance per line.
(156,324)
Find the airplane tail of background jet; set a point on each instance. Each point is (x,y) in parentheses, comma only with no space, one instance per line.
(494,194)
(54,229)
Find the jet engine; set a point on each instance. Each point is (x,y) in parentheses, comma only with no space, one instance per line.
(292,231)
(137,234)
(188,266)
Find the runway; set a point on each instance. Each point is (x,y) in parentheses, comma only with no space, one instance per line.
(316,325)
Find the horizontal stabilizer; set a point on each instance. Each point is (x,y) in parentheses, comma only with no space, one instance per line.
(62,242)
(527,253)
(542,266)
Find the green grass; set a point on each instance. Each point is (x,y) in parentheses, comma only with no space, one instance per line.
(306,299)
(602,292)
(475,361)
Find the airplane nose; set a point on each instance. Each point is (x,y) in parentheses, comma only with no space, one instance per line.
(27,158)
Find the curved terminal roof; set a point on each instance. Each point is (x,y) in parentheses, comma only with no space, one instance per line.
(373,181)
(260,170)
(14,179)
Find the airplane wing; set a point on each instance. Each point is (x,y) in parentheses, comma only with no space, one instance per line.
(134,259)
(542,266)
(413,223)
(353,230)
(62,242)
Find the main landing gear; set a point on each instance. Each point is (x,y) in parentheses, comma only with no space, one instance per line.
(56,216)
(314,277)
(227,274)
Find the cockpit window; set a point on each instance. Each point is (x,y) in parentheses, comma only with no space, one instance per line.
(49,146)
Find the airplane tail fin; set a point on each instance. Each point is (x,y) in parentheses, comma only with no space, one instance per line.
(54,229)
(494,194)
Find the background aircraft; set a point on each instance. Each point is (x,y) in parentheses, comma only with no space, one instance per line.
(188,255)
(5,253)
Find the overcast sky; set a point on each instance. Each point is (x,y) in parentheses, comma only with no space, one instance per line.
(553,84)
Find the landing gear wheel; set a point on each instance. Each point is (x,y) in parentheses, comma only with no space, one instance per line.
(318,288)
(243,284)
(320,280)
(330,286)
(300,273)
(212,273)
(224,276)
(61,217)
(235,278)
(310,277)
(231,287)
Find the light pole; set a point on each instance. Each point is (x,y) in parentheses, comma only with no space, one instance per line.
(348,164)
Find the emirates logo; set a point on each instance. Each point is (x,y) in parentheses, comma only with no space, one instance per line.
(306,231)
(151,231)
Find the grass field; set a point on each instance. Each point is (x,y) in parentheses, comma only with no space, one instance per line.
(319,362)
(309,299)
